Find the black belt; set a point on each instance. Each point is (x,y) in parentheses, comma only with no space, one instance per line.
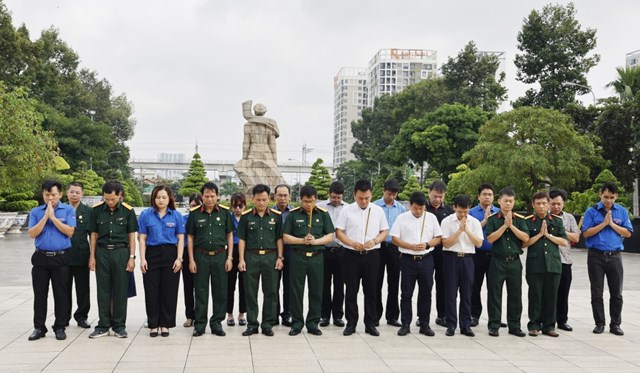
(457,253)
(308,254)
(210,252)
(361,252)
(605,253)
(52,253)
(262,251)
(416,257)
(114,246)
(335,249)
(507,259)
(485,253)
(172,246)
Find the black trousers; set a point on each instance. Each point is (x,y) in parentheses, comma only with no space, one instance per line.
(420,271)
(234,275)
(439,281)
(389,258)
(458,277)
(562,313)
(80,275)
(481,261)
(283,277)
(187,287)
(161,286)
(54,269)
(599,266)
(361,267)
(333,273)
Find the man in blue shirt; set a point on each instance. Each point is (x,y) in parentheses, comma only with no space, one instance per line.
(482,258)
(51,225)
(389,255)
(604,226)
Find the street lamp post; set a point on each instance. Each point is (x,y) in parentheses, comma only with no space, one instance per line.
(299,171)
(571,84)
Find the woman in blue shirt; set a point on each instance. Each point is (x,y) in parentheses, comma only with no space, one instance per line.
(161,238)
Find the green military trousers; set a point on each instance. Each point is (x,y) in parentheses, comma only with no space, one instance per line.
(501,271)
(112,282)
(261,265)
(311,267)
(210,269)
(543,299)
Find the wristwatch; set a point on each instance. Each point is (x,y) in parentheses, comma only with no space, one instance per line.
(132,256)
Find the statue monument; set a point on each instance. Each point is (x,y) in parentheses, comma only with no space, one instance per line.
(259,152)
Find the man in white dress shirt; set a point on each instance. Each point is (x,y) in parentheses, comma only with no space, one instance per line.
(416,233)
(361,227)
(461,234)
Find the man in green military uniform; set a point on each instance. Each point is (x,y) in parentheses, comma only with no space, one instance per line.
(307,230)
(79,256)
(113,229)
(210,245)
(507,231)
(260,248)
(544,266)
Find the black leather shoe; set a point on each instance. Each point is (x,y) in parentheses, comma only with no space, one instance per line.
(218,332)
(198,333)
(566,327)
(84,324)
(517,332)
(440,321)
(503,325)
(394,323)
(293,332)
(60,334)
(474,321)
(231,322)
(550,333)
(37,334)
(268,332)
(598,329)
(372,330)
(349,330)
(616,330)
(377,324)
(338,323)
(251,331)
(404,330)
(418,322)
(426,330)
(323,322)
(494,332)
(468,332)
(314,331)
(286,321)
(450,332)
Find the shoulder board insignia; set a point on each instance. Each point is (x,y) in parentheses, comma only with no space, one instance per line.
(245,212)
(556,216)
(495,213)
(321,209)
(294,209)
(127,206)
(224,207)
(528,217)
(194,208)
(276,211)
(518,215)
(97,204)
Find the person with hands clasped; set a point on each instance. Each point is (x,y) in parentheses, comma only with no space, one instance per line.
(416,233)
(543,265)
(161,237)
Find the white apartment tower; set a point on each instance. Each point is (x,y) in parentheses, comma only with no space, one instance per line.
(350,97)
(633,59)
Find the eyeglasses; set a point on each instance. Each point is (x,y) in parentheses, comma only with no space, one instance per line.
(238,206)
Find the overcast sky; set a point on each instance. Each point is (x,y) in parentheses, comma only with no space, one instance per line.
(188,65)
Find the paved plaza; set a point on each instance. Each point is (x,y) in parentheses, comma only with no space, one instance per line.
(576,351)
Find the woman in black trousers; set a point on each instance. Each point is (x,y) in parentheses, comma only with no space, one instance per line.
(238,203)
(187,277)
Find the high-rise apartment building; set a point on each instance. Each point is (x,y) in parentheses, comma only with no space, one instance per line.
(350,97)
(633,59)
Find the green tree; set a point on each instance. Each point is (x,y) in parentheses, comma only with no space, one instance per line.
(627,85)
(471,77)
(349,172)
(410,187)
(26,150)
(581,201)
(132,195)
(320,179)
(90,180)
(196,177)
(554,50)
(228,188)
(530,149)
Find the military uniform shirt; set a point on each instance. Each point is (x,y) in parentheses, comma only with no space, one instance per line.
(508,244)
(260,232)
(113,227)
(79,253)
(297,225)
(209,229)
(544,255)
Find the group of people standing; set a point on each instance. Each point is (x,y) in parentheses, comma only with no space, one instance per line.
(331,247)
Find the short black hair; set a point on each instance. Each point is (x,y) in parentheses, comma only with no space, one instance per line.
(553,193)
(362,185)
(113,186)
(391,185)
(607,186)
(275,190)
(336,187)
(195,197)
(50,184)
(438,186)
(209,185)
(418,198)
(308,191)
(261,188)
(507,191)
(77,184)
(485,186)
(462,201)
(540,195)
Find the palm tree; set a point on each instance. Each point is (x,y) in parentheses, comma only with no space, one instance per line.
(628,83)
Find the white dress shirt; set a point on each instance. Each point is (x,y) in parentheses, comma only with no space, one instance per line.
(451,224)
(414,230)
(362,225)
(334,212)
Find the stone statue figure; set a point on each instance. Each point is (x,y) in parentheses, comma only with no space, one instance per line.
(259,151)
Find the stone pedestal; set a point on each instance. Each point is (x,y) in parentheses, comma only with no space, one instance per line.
(17,224)
(6,221)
